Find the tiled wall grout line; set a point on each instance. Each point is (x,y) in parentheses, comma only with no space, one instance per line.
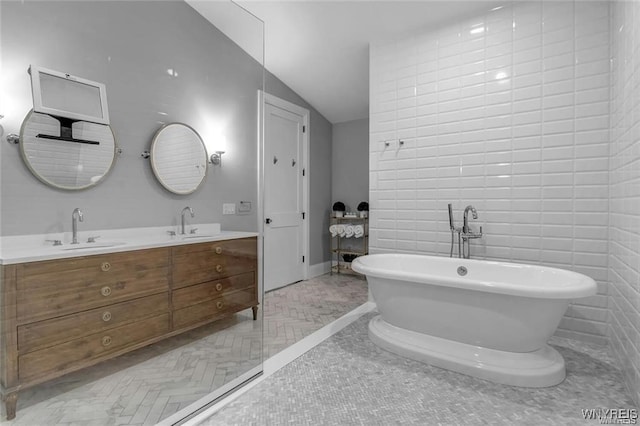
(512,128)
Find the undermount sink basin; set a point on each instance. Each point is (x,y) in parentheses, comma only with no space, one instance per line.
(87,246)
(189,237)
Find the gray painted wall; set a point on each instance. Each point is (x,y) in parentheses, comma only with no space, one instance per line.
(350,163)
(319,170)
(129,46)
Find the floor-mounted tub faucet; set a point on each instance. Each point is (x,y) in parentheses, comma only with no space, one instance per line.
(75,217)
(186,209)
(465,217)
(465,233)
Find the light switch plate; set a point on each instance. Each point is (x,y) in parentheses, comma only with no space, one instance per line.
(229,208)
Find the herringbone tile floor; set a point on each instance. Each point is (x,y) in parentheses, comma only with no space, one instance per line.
(294,312)
(145,386)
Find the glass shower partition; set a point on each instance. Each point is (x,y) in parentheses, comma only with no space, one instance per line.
(155,328)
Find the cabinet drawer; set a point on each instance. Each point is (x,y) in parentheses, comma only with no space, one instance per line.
(198,293)
(215,308)
(55,331)
(199,263)
(55,288)
(83,351)
(122,262)
(243,247)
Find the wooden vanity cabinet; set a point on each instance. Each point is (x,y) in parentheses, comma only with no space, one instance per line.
(213,280)
(58,316)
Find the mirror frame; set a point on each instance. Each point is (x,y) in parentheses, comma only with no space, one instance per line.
(156,173)
(43,179)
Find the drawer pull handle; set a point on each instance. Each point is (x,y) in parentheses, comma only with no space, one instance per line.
(218,268)
(218,250)
(219,305)
(105,266)
(219,286)
(105,291)
(106,340)
(106,316)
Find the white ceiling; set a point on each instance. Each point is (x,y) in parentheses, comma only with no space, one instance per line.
(320,48)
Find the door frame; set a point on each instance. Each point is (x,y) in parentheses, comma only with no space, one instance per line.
(263,99)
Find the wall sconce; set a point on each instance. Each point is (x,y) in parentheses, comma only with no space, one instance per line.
(216,158)
(13,139)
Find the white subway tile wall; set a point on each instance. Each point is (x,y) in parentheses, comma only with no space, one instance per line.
(508,112)
(624,259)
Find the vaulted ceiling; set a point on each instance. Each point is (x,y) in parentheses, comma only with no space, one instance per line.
(320,49)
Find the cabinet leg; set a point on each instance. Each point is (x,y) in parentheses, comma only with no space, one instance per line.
(10,402)
(254,309)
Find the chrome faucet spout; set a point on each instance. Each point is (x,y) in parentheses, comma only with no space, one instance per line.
(186,209)
(75,217)
(474,213)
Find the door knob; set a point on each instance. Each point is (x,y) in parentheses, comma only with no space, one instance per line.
(267,220)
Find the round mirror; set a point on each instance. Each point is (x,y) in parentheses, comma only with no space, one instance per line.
(179,158)
(66,154)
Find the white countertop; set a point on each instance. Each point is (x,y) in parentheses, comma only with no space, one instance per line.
(31,248)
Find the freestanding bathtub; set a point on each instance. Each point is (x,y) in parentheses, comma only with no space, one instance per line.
(486,319)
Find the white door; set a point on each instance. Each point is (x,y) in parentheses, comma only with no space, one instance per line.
(284,255)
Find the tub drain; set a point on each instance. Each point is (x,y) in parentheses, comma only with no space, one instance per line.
(462,271)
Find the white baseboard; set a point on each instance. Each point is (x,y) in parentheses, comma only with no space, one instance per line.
(319,269)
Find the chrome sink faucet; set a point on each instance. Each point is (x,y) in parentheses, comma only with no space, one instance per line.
(186,209)
(75,217)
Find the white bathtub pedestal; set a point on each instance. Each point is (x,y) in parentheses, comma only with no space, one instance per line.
(538,369)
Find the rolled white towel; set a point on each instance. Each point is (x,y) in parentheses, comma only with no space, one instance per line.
(341,230)
(334,230)
(348,230)
(358,231)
